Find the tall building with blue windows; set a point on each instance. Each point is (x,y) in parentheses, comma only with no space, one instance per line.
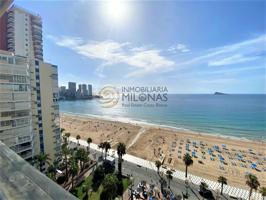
(22,36)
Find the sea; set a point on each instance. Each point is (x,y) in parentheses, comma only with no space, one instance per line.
(236,116)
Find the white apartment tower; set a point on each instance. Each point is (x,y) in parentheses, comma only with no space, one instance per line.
(21,34)
(24,33)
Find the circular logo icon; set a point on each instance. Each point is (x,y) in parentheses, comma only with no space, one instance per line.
(109,96)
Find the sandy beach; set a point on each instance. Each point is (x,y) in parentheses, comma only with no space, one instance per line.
(213,155)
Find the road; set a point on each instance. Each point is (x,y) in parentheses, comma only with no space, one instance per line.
(150,176)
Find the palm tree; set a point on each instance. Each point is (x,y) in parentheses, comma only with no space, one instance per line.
(42,159)
(82,156)
(78,138)
(252,182)
(169,175)
(67,135)
(62,130)
(110,188)
(89,141)
(66,152)
(107,146)
(73,169)
(158,164)
(121,150)
(101,146)
(223,181)
(263,192)
(187,159)
(52,170)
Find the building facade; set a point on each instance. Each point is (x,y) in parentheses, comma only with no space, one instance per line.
(23,37)
(24,33)
(90,90)
(84,90)
(16,129)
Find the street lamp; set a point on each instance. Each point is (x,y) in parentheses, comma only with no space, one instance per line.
(131,187)
(217,194)
(186,185)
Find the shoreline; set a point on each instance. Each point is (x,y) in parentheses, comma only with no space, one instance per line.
(165,127)
(154,142)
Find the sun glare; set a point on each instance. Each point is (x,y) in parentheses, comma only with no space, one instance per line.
(117,11)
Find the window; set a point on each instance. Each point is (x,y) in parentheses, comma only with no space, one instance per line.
(10,60)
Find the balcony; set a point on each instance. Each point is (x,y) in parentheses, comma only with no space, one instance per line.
(26,155)
(37,36)
(35,26)
(39,57)
(10,13)
(10,20)
(10,40)
(10,35)
(38,52)
(37,45)
(10,24)
(21,148)
(36,21)
(10,30)
(37,31)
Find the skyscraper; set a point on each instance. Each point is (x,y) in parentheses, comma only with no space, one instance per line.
(89,90)
(22,35)
(84,90)
(72,87)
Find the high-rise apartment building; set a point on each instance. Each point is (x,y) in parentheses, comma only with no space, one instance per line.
(79,88)
(72,86)
(22,35)
(89,90)
(84,90)
(16,129)
(71,92)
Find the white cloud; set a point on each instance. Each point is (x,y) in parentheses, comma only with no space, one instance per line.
(147,60)
(179,48)
(245,51)
(234,59)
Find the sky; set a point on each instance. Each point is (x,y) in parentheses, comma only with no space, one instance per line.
(187,46)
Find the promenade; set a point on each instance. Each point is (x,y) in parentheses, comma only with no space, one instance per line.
(192,179)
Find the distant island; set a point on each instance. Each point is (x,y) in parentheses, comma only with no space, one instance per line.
(219,93)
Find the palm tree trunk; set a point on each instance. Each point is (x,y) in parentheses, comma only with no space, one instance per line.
(66,168)
(250,193)
(120,167)
(186,171)
(222,187)
(40,166)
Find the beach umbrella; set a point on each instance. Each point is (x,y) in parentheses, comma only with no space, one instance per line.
(253,165)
